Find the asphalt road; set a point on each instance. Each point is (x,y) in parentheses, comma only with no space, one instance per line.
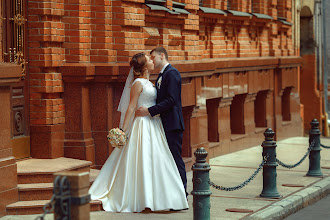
(320,211)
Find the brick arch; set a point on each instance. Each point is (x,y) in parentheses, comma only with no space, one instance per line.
(306,12)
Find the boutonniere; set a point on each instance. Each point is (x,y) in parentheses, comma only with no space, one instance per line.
(159,82)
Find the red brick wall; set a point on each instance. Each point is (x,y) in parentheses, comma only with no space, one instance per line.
(77,48)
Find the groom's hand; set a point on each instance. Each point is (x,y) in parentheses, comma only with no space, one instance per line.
(142,111)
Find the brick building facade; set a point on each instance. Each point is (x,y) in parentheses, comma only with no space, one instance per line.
(239,62)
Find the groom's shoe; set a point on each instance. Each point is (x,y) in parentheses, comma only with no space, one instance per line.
(176,210)
(147,210)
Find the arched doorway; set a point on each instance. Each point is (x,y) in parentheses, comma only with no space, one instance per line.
(309,93)
(307,45)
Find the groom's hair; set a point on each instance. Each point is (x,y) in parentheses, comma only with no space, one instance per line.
(160,50)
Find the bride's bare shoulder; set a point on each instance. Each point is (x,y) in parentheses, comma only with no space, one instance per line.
(137,86)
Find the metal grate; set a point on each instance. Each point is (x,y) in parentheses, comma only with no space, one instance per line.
(13,32)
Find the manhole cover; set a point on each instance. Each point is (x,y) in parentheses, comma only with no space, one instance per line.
(292,185)
(239,210)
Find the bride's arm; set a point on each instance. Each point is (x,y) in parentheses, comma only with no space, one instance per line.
(134,95)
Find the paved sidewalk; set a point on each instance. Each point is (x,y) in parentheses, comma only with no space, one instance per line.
(232,169)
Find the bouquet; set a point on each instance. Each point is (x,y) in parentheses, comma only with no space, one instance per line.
(117,137)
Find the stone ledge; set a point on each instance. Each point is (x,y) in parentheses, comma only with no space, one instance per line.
(10,73)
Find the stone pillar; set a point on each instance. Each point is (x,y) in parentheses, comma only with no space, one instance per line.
(224,124)
(269,108)
(79,185)
(9,75)
(186,147)
(104,101)
(78,142)
(198,128)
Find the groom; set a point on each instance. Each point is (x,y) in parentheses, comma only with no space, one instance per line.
(169,107)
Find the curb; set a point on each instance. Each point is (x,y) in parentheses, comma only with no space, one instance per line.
(294,202)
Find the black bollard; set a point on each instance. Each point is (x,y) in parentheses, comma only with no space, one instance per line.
(314,154)
(201,188)
(269,170)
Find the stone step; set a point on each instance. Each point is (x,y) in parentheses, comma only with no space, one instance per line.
(93,174)
(43,191)
(35,191)
(42,170)
(35,207)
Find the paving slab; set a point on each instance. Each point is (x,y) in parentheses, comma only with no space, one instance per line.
(297,189)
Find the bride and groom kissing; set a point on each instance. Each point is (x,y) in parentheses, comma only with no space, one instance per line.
(148,172)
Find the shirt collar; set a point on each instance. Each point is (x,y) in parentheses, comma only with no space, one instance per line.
(164,67)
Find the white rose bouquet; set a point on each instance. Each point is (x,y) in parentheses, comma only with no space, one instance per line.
(117,137)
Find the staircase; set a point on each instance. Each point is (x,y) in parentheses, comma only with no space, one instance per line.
(35,183)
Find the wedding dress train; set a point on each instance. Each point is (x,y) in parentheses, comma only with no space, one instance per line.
(142,174)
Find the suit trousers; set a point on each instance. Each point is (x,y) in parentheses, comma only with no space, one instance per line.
(174,140)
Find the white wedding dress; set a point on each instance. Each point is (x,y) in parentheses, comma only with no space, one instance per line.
(142,174)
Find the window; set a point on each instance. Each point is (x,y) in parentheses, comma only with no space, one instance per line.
(12,31)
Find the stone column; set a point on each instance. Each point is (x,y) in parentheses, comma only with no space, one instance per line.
(198,128)
(78,142)
(224,124)
(249,122)
(269,108)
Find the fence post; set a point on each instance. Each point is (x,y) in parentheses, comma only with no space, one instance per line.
(201,188)
(269,170)
(72,198)
(314,154)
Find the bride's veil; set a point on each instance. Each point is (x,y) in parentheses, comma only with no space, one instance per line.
(124,100)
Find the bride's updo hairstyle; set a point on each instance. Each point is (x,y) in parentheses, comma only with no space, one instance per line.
(138,63)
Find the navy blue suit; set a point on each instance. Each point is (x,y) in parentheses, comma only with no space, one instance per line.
(170,109)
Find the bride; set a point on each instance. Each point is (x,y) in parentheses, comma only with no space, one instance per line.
(142,174)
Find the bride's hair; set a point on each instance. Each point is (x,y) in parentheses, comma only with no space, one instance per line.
(138,63)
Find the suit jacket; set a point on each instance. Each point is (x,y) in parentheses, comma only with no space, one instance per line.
(169,100)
